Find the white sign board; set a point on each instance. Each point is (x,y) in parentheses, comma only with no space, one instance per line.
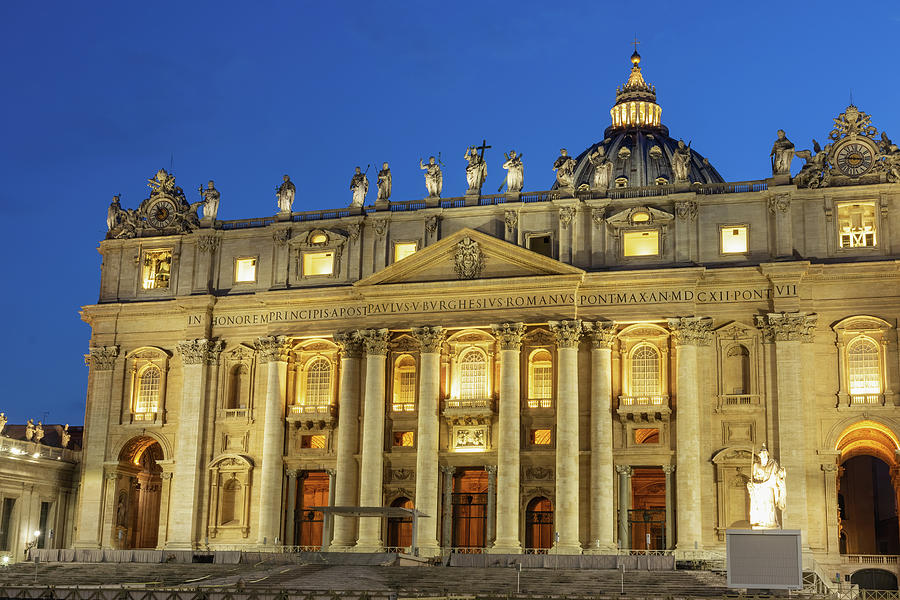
(764,559)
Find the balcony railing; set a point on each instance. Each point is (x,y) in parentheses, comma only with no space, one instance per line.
(321,415)
(643,400)
(235,413)
(26,449)
(732,400)
(866,399)
(869,559)
(468,403)
(539,403)
(644,408)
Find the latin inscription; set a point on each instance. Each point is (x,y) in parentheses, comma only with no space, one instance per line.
(454,304)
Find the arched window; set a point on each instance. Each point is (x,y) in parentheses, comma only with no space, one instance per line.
(236,386)
(473,375)
(404,384)
(863,369)
(231,502)
(148,391)
(737,370)
(540,379)
(645,371)
(318,382)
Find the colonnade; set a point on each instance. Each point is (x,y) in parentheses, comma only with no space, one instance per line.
(360,482)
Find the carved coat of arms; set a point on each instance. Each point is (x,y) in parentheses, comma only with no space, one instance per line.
(469,260)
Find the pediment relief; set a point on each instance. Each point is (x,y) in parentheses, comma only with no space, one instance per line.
(539,337)
(315,345)
(861,323)
(231,462)
(240,353)
(736,331)
(148,353)
(639,217)
(734,454)
(465,255)
(404,343)
(643,331)
(319,238)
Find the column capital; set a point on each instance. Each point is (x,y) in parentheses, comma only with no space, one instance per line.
(101,358)
(448,470)
(429,338)
(331,472)
(273,348)
(601,333)
(491,470)
(200,351)
(568,332)
(829,467)
(509,335)
(350,343)
(787,326)
(375,341)
(625,470)
(292,473)
(691,331)
(668,469)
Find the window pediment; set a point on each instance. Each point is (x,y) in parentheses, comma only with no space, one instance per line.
(640,217)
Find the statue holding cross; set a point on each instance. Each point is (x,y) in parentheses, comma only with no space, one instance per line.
(476,170)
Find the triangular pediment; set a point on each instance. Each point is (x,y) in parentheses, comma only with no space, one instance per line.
(469,254)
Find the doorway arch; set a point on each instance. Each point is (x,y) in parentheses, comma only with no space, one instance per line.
(137,494)
(399,529)
(867,489)
(874,579)
(539,524)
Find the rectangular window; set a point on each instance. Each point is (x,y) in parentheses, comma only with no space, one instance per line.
(404,439)
(42,525)
(641,243)
(734,239)
(5,522)
(646,436)
(313,441)
(318,263)
(856,224)
(404,249)
(541,437)
(245,270)
(156,269)
(542,244)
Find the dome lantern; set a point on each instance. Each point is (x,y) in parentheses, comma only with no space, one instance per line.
(635,101)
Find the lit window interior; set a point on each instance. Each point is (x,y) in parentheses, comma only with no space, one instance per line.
(404,384)
(404,249)
(245,270)
(404,439)
(734,240)
(640,216)
(641,243)
(540,437)
(313,441)
(318,263)
(540,384)
(318,383)
(856,224)
(646,435)
(621,182)
(147,401)
(318,238)
(863,366)
(156,269)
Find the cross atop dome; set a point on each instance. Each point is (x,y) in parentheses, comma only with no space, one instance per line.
(636,100)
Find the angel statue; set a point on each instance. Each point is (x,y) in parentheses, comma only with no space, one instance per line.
(767,491)
(813,173)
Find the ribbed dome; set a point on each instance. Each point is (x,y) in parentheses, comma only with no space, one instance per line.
(638,144)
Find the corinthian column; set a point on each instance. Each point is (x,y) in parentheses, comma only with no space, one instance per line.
(347,470)
(274,352)
(688,333)
(603,515)
(101,361)
(427,485)
(372,460)
(788,330)
(566,515)
(509,337)
(195,356)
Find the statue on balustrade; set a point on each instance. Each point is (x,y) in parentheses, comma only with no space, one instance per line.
(476,170)
(359,185)
(210,201)
(39,432)
(565,170)
(515,173)
(434,179)
(767,491)
(285,193)
(29,429)
(3,421)
(384,183)
(782,154)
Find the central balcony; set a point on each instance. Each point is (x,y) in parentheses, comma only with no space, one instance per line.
(644,408)
(316,416)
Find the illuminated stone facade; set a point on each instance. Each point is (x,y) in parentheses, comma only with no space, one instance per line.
(539,365)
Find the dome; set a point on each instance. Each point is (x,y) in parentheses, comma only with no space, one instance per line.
(638,145)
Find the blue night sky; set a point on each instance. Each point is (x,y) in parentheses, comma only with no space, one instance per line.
(98,96)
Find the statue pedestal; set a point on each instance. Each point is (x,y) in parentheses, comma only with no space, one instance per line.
(382,205)
(433,202)
(283,216)
(774,180)
(513,196)
(207,223)
(472,198)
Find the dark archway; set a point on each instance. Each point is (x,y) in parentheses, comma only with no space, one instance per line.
(869,516)
(874,579)
(539,524)
(399,529)
(138,494)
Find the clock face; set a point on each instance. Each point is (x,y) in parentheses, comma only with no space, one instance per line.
(854,159)
(161,214)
